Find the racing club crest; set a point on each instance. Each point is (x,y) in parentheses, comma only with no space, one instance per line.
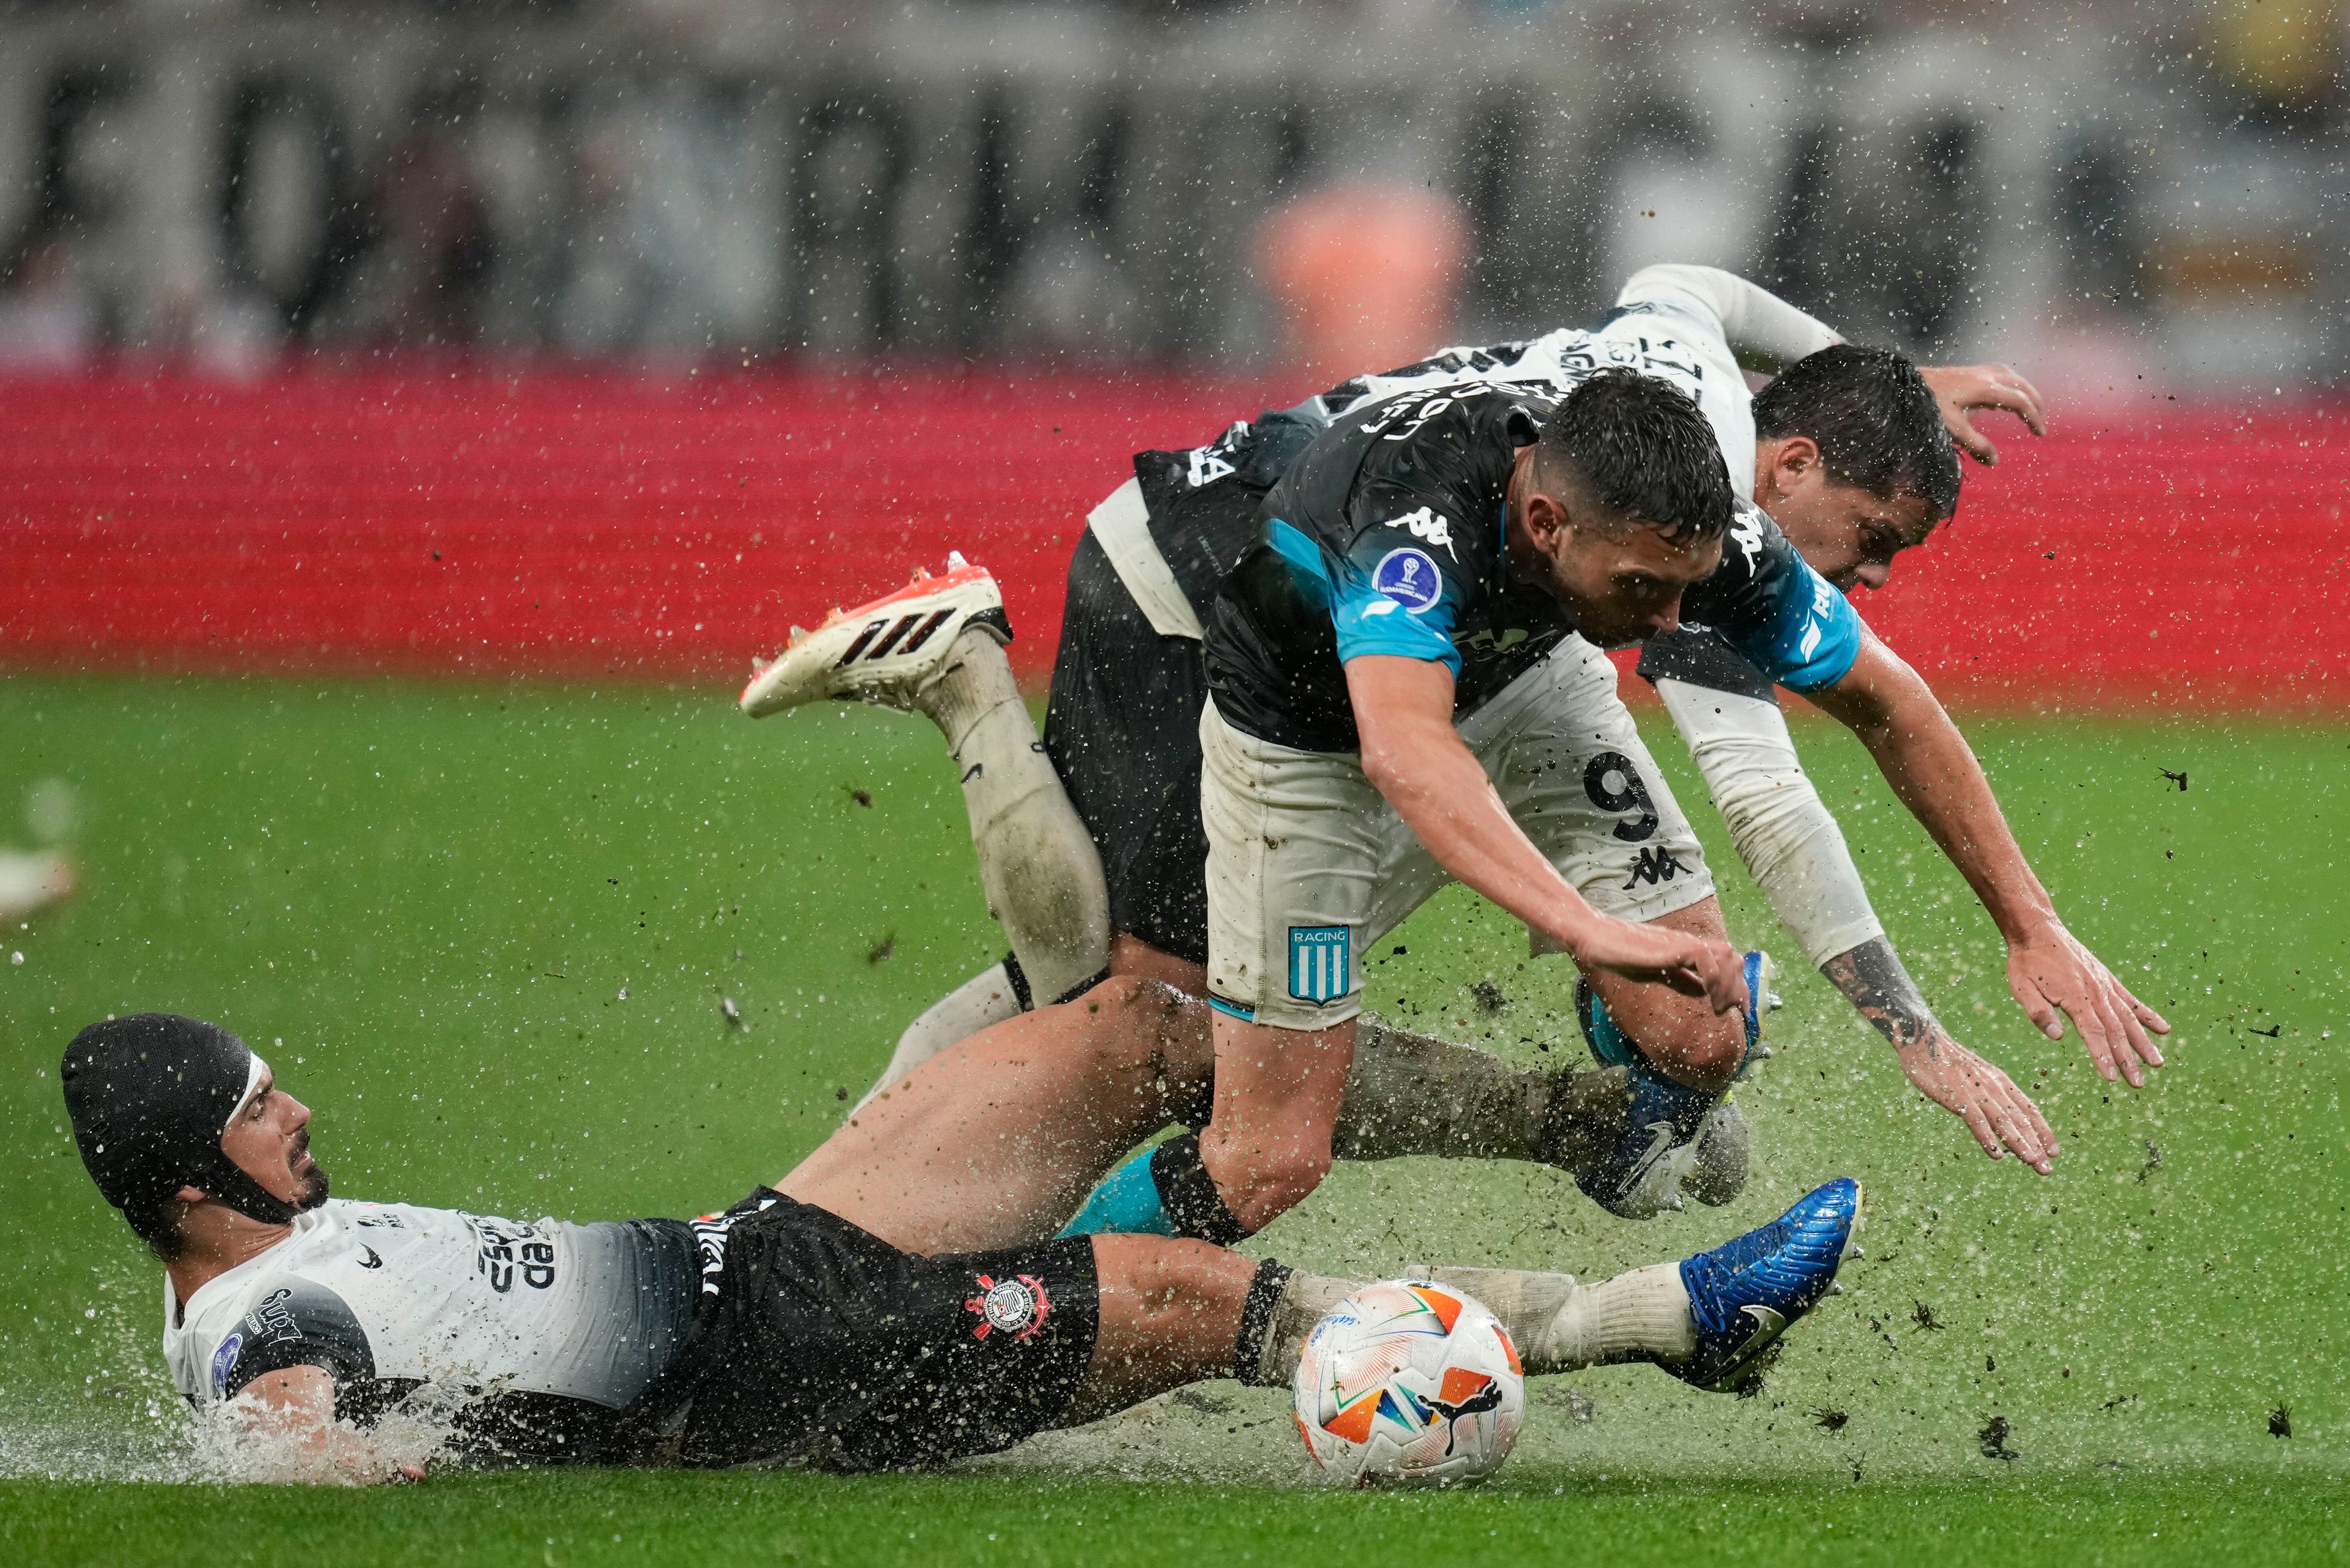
(1016,1306)
(1317,963)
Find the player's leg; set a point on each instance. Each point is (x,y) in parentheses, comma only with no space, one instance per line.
(1412,1094)
(1567,758)
(1173,1311)
(1580,767)
(1292,855)
(1121,736)
(822,1343)
(996,1140)
(936,647)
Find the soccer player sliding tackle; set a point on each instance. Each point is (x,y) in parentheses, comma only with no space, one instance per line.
(1851,458)
(890,1303)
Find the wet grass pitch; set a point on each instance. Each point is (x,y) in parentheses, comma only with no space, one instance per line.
(494,928)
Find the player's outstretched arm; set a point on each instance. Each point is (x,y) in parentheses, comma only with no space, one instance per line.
(1790,843)
(1930,767)
(1403,710)
(284,1421)
(1755,323)
(2001,1115)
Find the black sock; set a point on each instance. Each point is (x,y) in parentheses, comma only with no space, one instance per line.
(1256,1320)
(1019,979)
(1079,989)
(1189,1193)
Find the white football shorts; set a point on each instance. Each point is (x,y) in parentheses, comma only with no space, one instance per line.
(1308,867)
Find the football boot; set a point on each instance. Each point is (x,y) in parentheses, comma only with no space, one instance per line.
(882,652)
(1674,1137)
(30,883)
(1744,1293)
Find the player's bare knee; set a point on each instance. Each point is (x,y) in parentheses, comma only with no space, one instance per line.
(1264,1188)
(1708,1051)
(1147,1022)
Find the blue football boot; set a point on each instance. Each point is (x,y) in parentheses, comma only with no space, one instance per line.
(1673,1135)
(1744,1293)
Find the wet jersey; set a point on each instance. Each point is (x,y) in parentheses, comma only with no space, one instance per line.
(1202,502)
(558,1326)
(1387,537)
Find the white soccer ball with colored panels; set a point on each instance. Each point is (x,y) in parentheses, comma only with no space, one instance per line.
(1411,1382)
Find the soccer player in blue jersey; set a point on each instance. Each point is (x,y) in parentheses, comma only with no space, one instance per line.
(1833,447)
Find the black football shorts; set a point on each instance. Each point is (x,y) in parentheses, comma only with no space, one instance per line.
(818,1342)
(1122,729)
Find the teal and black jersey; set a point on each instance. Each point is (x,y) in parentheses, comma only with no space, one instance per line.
(1387,537)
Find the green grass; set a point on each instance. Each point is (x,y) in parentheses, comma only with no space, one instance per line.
(436,897)
(619,1519)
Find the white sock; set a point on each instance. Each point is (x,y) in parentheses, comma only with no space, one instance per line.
(1561,1326)
(988,997)
(1305,1300)
(1557,1324)
(1037,863)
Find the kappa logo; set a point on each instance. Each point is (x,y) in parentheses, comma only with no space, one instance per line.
(1747,535)
(1654,865)
(1016,1306)
(1812,628)
(1425,523)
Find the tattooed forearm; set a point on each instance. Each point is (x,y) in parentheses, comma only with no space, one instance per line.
(1873,981)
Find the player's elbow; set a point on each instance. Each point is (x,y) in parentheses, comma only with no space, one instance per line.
(1391,762)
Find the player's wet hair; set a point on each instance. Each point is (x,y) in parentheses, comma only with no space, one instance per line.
(1874,419)
(1644,451)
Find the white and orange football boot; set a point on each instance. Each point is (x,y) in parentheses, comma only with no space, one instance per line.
(30,883)
(884,651)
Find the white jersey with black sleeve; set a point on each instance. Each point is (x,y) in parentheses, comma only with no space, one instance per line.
(553,1329)
(1679,324)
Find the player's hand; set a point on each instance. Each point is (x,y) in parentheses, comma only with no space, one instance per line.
(2049,970)
(1659,955)
(2001,1115)
(1963,391)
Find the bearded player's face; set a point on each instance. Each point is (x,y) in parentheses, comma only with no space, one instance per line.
(270,1142)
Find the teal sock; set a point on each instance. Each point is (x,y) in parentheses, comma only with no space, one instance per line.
(1607,1042)
(1125,1203)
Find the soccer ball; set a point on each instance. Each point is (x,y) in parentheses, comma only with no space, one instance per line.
(1412,1382)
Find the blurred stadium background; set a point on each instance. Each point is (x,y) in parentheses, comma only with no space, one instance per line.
(584,336)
